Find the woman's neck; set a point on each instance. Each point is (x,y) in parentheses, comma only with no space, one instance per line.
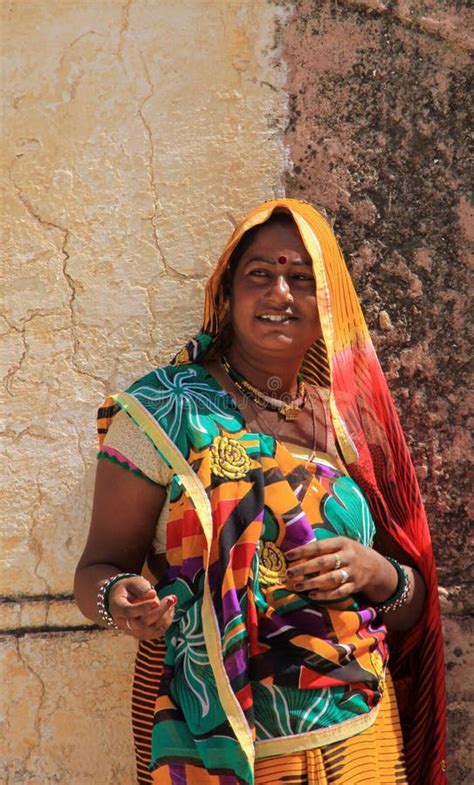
(268,374)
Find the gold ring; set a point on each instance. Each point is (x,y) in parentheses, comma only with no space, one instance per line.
(344,576)
(338,562)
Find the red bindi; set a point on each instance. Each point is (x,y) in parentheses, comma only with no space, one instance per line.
(282,259)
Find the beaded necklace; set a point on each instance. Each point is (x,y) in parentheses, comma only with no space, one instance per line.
(288,410)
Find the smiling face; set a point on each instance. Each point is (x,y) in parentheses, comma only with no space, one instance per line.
(273,301)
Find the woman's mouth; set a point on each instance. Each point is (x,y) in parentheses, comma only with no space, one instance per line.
(282,318)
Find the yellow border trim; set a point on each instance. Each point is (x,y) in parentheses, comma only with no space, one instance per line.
(196,492)
(288,745)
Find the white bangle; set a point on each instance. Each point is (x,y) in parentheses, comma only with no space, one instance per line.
(102,601)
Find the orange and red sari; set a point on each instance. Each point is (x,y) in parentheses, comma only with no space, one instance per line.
(376,458)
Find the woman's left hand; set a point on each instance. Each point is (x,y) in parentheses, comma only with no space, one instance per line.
(337,567)
(136,609)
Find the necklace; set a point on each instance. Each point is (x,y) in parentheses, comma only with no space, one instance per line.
(288,410)
(275,432)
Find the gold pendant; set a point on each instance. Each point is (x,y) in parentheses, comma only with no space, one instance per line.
(290,414)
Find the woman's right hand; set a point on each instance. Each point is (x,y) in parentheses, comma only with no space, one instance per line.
(137,611)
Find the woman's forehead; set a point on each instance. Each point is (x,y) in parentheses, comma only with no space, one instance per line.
(277,240)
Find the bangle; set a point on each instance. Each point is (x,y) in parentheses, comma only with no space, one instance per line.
(401,593)
(103,597)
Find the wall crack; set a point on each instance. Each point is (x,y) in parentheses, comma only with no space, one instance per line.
(70,283)
(170,270)
(40,704)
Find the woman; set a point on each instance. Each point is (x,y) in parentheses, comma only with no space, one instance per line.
(290,538)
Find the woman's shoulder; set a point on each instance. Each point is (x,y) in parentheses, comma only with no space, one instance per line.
(152,390)
(187,402)
(179,391)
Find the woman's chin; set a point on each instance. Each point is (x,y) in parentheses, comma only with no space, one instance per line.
(281,343)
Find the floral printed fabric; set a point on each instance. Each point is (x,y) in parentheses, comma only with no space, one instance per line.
(189,407)
(295,667)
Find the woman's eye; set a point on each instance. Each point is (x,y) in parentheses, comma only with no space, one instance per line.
(302,277)
(259,273)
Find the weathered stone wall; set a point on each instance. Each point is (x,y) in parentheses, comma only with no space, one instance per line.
(136,133)
(378,135)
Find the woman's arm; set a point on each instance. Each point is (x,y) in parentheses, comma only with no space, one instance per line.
(124,516)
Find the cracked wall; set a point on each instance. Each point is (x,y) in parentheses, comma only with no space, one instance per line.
(137,132)
(378,135)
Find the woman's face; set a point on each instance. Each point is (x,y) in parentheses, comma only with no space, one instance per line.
(273,303)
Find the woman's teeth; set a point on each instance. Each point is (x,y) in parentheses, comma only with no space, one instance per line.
(274,318)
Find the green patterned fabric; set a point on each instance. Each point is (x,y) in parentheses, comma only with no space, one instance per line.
(294,666)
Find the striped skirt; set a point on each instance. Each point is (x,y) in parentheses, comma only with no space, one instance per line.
(374,757)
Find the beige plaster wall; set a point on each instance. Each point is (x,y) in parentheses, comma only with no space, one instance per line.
(136,133)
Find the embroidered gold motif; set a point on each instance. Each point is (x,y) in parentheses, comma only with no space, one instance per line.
(182,357)
(272,565)
(377,664)
(228,458)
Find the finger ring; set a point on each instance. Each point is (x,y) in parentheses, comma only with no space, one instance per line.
(344,576)
(127,622)
(338,562)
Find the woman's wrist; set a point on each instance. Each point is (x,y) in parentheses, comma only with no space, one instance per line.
(384,582)
(402,593)
(385,593)
(102,600)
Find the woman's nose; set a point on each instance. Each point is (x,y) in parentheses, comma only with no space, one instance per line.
(281,288)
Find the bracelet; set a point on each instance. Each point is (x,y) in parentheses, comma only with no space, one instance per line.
(401,593)
(103,597)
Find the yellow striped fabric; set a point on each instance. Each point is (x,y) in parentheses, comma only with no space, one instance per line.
(374,757)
